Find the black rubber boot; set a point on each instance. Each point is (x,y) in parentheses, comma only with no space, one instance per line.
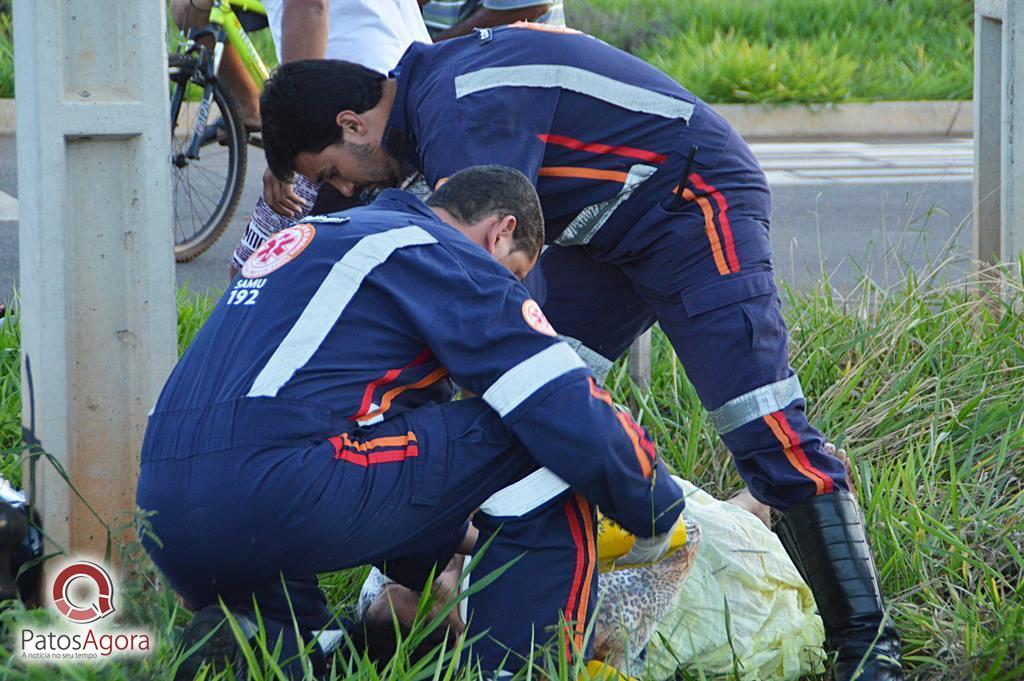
(13,530)
(826,539)
(218,647)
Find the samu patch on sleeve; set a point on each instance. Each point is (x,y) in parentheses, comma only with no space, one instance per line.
(536,319)
(278,251)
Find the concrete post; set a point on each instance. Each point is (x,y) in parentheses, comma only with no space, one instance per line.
(998,127)
(96,250)
(1012,233)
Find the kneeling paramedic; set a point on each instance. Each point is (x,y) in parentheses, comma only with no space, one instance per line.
(309,426)
(655,210)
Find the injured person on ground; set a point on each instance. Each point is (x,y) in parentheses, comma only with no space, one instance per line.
(729,601)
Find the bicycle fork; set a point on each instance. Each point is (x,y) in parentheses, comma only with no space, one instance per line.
(209,78)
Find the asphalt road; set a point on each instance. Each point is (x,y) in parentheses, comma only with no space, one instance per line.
(847,210)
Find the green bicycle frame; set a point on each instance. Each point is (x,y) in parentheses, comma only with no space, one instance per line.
(222,14)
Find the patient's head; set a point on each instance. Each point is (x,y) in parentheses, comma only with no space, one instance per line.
(496,207)
(376,633)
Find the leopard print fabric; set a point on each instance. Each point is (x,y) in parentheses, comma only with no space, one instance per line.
(632,601)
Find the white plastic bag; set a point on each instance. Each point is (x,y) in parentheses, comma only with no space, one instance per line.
(743,608)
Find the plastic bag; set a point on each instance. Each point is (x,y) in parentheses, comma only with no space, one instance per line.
(743,609)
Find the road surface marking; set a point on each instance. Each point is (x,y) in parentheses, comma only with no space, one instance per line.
(829,163)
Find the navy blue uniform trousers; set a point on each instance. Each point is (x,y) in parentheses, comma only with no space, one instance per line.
(700,266)
(233,520)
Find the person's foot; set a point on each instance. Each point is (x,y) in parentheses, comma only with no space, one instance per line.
(250,114)
(745,500)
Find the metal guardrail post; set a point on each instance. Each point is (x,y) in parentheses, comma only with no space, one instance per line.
(640,361)
(95,244)
(998,130)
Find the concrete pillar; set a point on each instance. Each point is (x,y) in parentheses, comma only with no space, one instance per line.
(1012,232)
(96,250)
(998,130)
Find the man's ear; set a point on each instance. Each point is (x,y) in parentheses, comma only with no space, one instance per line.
(352,125)
(501,228)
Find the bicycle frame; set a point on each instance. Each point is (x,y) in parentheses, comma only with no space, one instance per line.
(223,14)
(224,27)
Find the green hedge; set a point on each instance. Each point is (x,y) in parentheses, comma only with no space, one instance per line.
(795,50)
(811,51)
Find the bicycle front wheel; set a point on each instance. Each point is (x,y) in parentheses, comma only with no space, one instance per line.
(208,187)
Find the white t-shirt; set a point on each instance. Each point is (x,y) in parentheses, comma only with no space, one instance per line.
(374,33)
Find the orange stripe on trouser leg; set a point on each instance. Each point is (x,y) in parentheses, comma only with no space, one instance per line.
(801,454)
(795,454)
(723,219)
(392,441)
(577,579)
(355,452)
(709,229)
(588,535)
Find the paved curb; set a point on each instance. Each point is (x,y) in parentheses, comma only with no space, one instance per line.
(763,122)
(876,119)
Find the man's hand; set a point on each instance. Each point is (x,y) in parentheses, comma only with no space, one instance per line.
(281,197)
(486,18)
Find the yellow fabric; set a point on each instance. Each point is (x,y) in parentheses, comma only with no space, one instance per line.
(614,542)
(741,576)
(599,671)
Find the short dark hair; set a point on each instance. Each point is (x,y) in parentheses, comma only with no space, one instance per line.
(300,102)
(376,637)
(479,192)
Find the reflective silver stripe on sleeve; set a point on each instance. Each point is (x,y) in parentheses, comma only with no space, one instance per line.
(755,404)
(529,376)
(575,79)
(596,362)
(591,219)
(328,303)
(519,498)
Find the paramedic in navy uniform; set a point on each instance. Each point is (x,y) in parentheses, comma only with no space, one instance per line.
(655,210)
(309,427)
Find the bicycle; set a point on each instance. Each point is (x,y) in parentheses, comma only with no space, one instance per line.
(209,169)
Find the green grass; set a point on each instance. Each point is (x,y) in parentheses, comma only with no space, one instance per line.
(809,51)
(923,387)
(795,50)
(6,55)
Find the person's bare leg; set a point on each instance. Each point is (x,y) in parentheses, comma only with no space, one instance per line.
(190,13)
(745,500)
(238,78)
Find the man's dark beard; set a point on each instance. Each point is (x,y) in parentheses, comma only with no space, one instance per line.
(378,163)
